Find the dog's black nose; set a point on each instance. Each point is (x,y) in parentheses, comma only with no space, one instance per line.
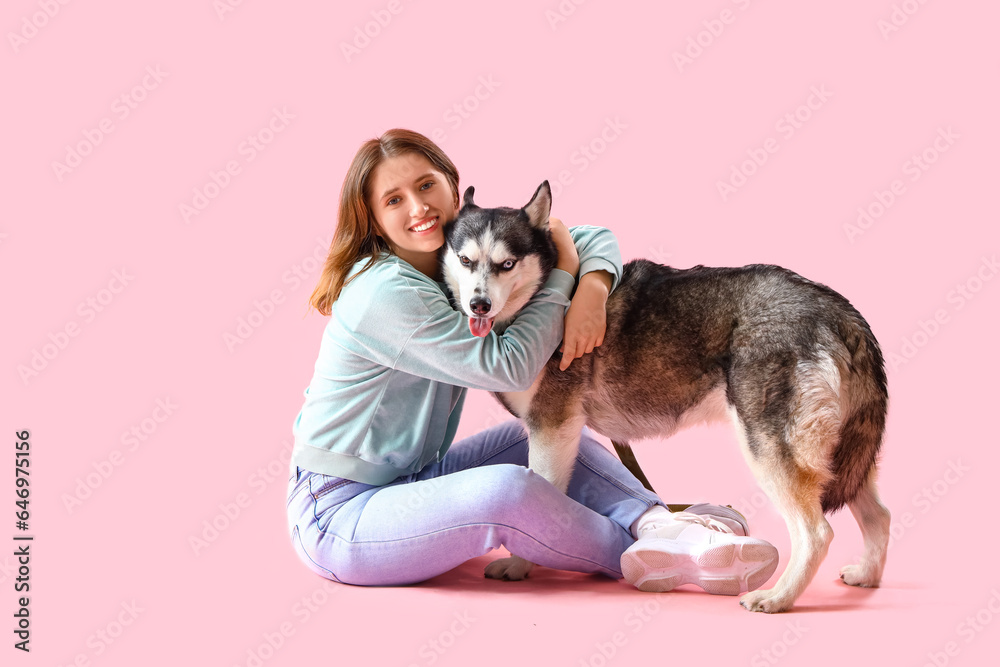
(480,305)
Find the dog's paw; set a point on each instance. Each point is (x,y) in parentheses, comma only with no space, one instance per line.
(509,569)
(857,575)
(765,600)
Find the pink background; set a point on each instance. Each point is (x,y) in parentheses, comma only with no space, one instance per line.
(554,87)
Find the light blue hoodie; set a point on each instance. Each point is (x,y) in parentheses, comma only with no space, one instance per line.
(396,360)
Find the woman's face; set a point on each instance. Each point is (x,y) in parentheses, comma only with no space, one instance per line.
(412,201)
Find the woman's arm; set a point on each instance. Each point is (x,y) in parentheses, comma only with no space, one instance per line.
(600,271)
(396,317)
(569,258)
(586,318)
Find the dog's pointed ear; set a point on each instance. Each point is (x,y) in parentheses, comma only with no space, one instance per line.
(539,206)
(467,199)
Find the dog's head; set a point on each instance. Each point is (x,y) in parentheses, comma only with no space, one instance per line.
(495,259)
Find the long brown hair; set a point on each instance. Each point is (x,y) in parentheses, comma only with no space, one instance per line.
(355,237)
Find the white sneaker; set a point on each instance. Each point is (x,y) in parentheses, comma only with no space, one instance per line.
(725,514)
(699,550)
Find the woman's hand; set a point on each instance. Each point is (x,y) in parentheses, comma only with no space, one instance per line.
(569,260)
(586,319)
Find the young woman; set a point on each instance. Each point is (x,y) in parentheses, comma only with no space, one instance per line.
(378,492)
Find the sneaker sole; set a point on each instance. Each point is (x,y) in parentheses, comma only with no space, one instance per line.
(725,569)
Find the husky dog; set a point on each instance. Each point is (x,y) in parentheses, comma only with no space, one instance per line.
(789,362)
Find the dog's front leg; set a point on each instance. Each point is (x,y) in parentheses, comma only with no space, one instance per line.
(552,450)
(552,453)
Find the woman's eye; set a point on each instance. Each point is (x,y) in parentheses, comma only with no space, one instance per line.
(392,200)
(464,260)
(509,264)
(426,184)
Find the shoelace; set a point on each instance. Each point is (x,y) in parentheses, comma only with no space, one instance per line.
(708,522)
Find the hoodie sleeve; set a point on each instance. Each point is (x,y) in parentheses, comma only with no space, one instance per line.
(598,250)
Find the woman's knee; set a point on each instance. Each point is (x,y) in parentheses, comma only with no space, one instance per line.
(501,493)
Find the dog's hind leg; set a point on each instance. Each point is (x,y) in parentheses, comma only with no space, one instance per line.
(873,519)
(796,494)
(855,464)
(790,425)
(811,534)
(552,450)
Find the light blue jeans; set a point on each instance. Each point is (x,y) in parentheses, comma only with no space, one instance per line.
(480,496)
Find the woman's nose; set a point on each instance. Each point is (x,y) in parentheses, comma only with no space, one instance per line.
(418,208)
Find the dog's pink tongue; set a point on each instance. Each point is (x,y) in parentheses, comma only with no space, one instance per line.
(480,326)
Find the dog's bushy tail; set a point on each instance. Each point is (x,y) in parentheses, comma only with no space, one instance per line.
(865,406)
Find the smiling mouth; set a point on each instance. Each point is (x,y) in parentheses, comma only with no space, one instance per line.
(425,226)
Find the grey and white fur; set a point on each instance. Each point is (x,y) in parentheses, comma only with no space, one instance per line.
(789,362)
